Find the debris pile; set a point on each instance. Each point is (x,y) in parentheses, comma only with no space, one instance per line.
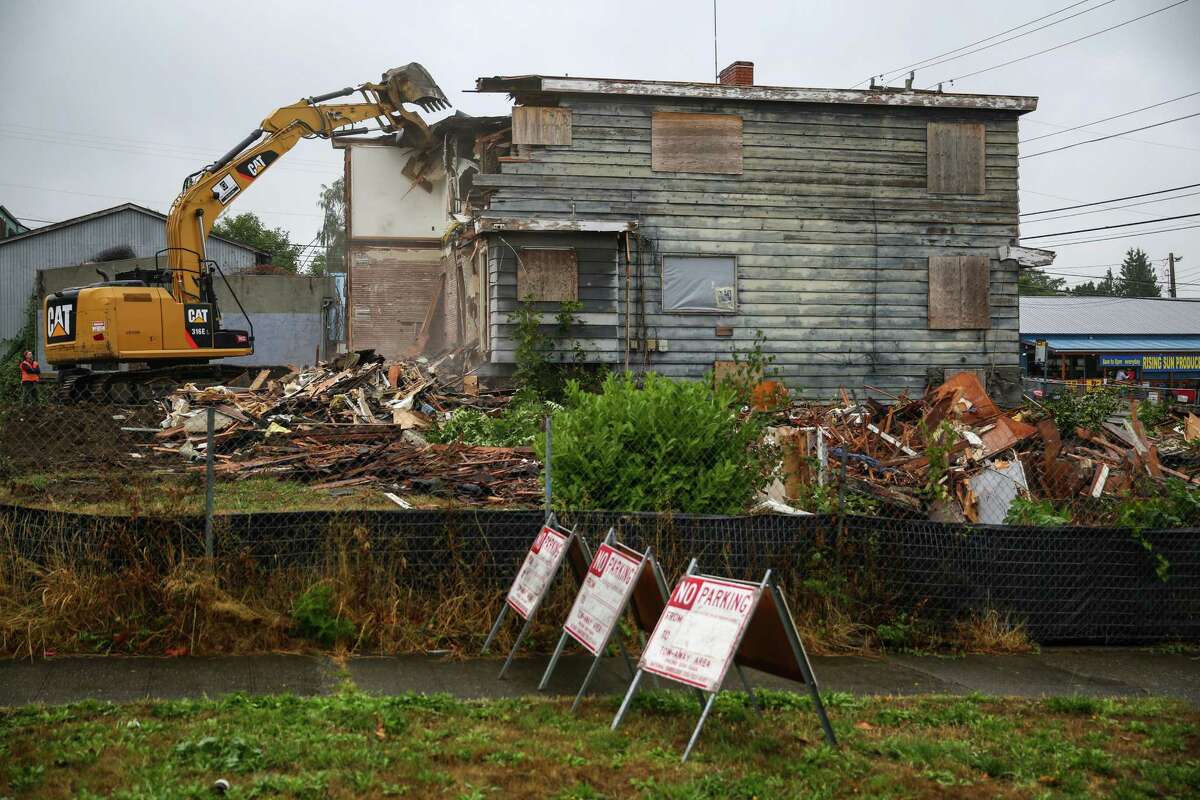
(350,423)
(954,455)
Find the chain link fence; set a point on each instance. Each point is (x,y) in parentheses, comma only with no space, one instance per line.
(222,534)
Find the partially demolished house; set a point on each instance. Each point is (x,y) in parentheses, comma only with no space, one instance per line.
(869,235)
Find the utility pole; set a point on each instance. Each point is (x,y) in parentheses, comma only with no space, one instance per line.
(1171,259)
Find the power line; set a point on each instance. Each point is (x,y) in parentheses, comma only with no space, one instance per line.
(1059,46)
(1110,227)
(1126,138)
(1102,277)
(1057,245)
(127,199)
(200,152)
(920,63)
(1110,119)
(1115,208)
(1103,202)
(134,151)
(1018,36)
(1111,135)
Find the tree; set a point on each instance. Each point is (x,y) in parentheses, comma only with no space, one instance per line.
(1034,281)
(1137,276)
(248,229)
(332,236)
(1102,288)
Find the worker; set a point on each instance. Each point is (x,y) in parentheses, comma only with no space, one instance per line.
(31,373)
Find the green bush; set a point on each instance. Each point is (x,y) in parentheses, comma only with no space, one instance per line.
(1040,513)
(666,446)
(1086,410)
(317,619)
(516,426)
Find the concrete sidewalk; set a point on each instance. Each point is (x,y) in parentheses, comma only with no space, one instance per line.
(1054,671)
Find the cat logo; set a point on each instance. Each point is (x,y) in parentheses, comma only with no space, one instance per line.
(253,167)
(60,321)
(197,315)
(225,189)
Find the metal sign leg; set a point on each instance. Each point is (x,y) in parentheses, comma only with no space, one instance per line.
(495,628)
(562,642)
(587,680)
(749,689)
(637,677)
(696,733)
(516,644)
(805,667)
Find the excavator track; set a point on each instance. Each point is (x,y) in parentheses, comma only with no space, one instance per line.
(134,387)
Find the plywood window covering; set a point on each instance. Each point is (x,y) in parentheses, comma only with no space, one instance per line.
(696,143)
(541,125)
(548,274)
(956,157)
(958,293)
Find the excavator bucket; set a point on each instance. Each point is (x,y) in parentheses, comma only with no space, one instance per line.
(412,83)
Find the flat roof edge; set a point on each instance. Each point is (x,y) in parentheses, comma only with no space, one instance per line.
(779,94)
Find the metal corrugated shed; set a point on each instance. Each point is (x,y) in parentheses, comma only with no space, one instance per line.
(1119,344)
(77,240)
(1131,316)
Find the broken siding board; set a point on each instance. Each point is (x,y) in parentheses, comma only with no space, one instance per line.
(541,125)
(686,142)
(957,158)
(958,292)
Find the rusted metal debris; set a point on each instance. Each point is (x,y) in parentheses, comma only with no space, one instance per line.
(354,422)
(954,454)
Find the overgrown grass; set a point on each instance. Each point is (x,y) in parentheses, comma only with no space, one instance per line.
(353,745)
(123,588)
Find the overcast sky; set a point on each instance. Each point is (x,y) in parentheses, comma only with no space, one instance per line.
(108,102)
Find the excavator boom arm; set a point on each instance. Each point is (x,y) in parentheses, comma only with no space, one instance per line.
(207,193)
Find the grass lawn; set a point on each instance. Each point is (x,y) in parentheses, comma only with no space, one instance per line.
(95,492)
(355,745)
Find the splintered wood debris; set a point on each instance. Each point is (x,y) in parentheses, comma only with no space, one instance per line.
(353,422)
(983,457)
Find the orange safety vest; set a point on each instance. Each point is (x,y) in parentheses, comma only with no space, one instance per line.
(30,372)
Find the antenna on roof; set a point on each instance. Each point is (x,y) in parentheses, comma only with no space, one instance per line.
(716,70)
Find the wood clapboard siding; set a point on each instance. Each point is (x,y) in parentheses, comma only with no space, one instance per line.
(831,220)
(596,255)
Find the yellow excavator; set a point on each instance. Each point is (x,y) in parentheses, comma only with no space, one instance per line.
(166,320)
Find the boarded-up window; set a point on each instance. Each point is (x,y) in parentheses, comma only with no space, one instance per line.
(539,125)
(696,143)
(958,292)
(548,274)
(699,283)
(956,157)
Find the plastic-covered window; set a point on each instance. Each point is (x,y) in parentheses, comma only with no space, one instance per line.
(699,283)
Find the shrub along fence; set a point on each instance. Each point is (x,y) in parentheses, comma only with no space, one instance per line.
(419,580)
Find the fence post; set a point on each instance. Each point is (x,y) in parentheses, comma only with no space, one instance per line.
(546,467)
(842,493)
(208,484)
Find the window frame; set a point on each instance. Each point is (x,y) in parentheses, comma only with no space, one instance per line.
(662,289)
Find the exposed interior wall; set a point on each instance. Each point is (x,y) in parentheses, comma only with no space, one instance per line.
(384,204)
(393,290)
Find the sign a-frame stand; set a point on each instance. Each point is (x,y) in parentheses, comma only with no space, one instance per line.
(713,623)
(553,544)
(618,578)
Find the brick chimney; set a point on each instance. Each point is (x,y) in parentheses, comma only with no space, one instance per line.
(739,73)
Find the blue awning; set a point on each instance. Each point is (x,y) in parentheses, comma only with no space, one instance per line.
(1118,344)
